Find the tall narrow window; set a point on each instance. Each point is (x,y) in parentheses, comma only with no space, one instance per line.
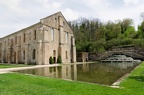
(52,34)
(35,35)
(66,55)
(15,39)
(8,42)
(66,37)
(55,20)
(24,37)
(63,23)
(12,42)
(54,56)
(7,54)
(54,52)
(4,44)
(0,49)
(34,54)
(19,40)
(23,54)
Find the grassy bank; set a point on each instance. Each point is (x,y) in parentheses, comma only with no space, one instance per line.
(20,84)
(135,82)
(12,65)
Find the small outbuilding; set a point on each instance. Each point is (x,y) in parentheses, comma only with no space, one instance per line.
(82,56)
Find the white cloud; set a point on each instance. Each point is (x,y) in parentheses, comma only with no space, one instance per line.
(13,6)
(97,3)
(17,14)
(70,14)
(50,5)
(127,2)
(56,4)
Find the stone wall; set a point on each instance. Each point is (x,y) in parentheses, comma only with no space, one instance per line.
(52,36)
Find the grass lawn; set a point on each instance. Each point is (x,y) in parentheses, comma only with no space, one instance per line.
(135,82)
(20,84)
(12,65)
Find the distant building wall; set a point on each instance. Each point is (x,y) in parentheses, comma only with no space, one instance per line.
(82,57)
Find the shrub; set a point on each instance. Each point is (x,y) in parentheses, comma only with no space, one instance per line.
(51,61)
(59,60)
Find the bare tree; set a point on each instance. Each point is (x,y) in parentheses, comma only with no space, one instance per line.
(142,16)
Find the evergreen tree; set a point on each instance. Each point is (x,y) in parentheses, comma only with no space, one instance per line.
(59,59)
(51,61)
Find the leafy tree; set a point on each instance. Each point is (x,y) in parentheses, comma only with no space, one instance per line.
(130,32)
(51,61)
(141,29)
(92,35)
(125,24)
(98,46)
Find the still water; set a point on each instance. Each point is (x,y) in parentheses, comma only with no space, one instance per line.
(101,73)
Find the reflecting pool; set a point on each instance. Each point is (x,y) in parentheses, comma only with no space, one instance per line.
(101,73)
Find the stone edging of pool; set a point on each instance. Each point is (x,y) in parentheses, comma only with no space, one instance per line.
(117,83)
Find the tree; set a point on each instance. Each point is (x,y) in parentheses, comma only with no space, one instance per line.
(142,16)
(59,60)
(141,29)
(125,24)
(51,61)
(92,35)
(130,32)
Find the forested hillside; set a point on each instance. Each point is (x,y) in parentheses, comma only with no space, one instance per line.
(93,35)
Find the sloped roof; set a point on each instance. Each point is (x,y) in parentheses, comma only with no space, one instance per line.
(22,30)
(57,14)
(37,24)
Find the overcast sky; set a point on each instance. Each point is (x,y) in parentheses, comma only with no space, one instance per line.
(18,14)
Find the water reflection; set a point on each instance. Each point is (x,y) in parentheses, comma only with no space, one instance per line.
(102,73)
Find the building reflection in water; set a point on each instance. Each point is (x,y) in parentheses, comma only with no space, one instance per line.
(103,73)
(65,72)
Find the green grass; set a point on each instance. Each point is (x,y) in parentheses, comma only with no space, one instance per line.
(135,82)
(12,65)
(20,84)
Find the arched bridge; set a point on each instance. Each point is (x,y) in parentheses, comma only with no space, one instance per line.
(135,54)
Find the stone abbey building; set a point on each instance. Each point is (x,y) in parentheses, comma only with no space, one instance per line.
(51,37)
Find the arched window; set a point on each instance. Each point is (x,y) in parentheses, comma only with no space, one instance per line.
(34,54)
